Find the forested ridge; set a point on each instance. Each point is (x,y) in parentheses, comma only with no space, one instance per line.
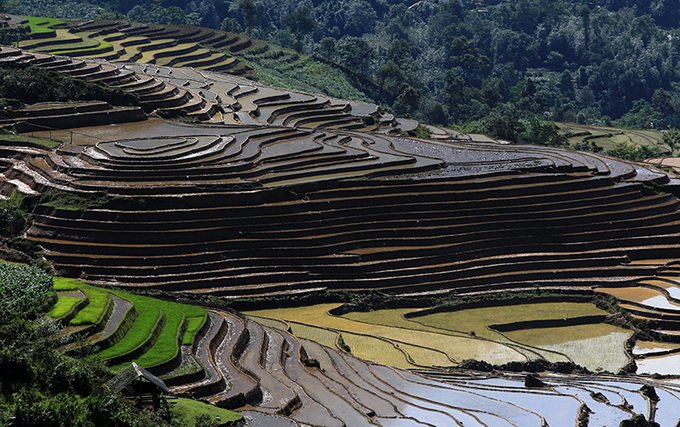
(475,65)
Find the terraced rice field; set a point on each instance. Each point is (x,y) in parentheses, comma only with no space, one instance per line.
(357,224)
(669,163)
(597,347)
(97,301)
(65,305)
(287,69)
(27,140)
(652,347)
(609,138)
(207,49)
(284,194)
(42,26)
(653,357)
(481,321)
(126,327)
(424,344)
(525,325)
(266,373)
(60,115)
(201,95)
(533,340)
(666,364)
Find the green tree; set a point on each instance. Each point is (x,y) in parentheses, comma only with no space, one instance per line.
(249,10)
(157,14)
(672,139)
(585,23)
(353,53)
(566,85)
(454,86)
(504,123)
(41,386)
(299,23)
(230,25)
(457,97)
(541,132)
(407,101)
(662,101)
(494,91)
(465,53)
(205,420)
(10,35)
(327,48)
(390,76)
(633,152)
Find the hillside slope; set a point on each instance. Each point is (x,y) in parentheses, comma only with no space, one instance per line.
(216,191)
(182,46)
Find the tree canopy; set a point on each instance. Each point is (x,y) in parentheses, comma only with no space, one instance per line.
(442,61)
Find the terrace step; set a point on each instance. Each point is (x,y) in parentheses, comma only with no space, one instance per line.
(277,398)
(242,388)
(310,411)
(213,381)
(315,385)
(117,325)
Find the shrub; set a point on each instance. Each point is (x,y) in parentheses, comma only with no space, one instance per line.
(30,85)
(13,221)
(343,345)
(70,201)
(634,152)
(205,420)
(24,291)
(34,409)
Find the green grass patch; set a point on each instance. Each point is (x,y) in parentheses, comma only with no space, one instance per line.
(166,345)
(596,347)
(93,312)
(63,306)
(189,365)
(65,284)
(174,312)
(194,324)
(320,335)
(149,310)
(29,140)
(477,320)
(185,412)
(142,328)
(459,347)
(39,25)
(83,47)
(611,138)
(292,70)
(71,201)
(60,37)
(422,132)
(164,348)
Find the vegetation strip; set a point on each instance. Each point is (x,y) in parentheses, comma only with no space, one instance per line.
(174,324)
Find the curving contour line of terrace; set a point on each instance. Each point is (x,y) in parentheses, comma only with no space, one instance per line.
(224,358)
(282,193)
(246,210)
(201,96)
(296,193)
(126,42)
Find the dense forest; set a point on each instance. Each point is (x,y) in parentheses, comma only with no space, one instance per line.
(484,65)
